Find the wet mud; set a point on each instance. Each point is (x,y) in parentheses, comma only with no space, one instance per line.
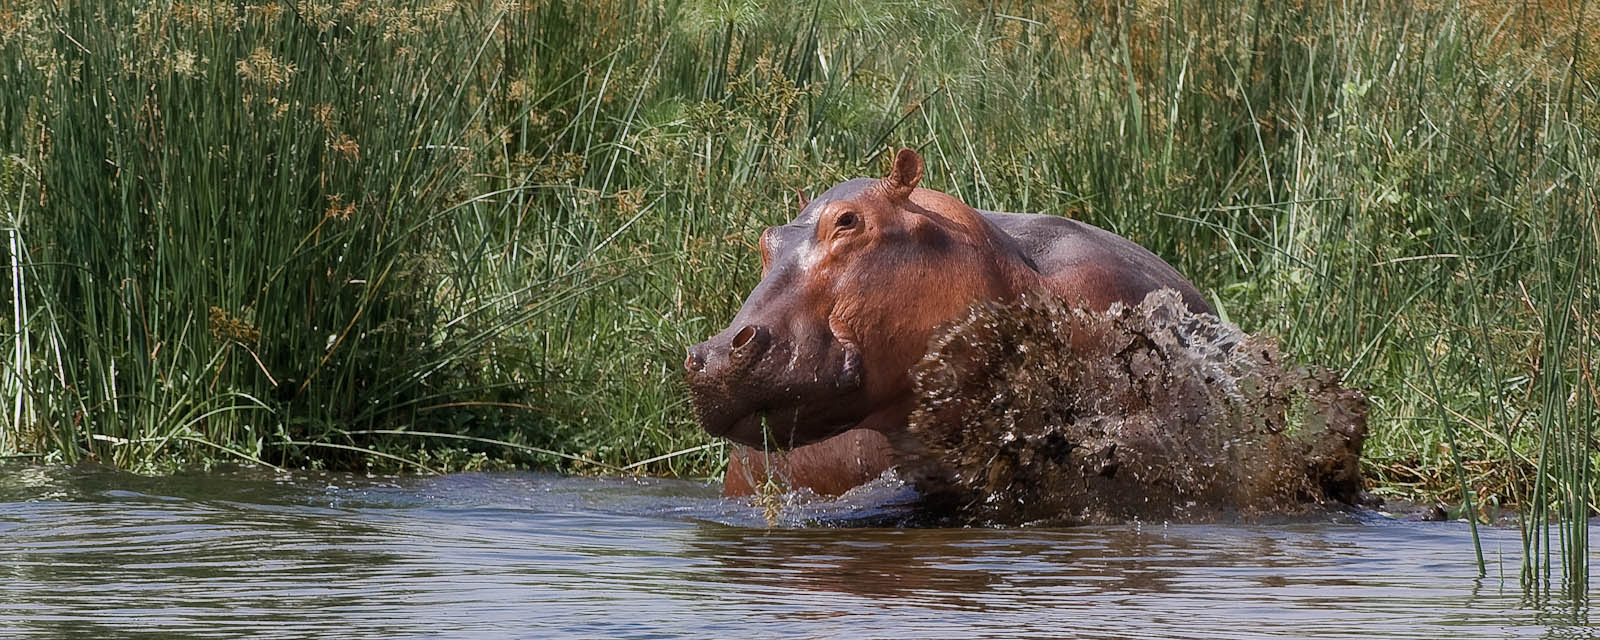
(1034,413)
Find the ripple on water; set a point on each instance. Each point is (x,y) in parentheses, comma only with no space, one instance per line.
(96,553)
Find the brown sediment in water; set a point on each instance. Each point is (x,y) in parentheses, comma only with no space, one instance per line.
(1032,412)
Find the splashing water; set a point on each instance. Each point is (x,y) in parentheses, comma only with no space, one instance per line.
(1032,412)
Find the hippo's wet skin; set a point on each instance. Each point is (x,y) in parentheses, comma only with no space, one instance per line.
(816,361)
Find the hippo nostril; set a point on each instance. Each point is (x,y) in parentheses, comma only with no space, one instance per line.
(743,337)
(751,340)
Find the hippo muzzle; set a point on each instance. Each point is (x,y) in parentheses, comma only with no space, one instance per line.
(770,388)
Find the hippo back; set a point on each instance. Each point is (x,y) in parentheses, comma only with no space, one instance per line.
(1086,264)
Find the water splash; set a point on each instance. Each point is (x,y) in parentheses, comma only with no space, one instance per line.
(1031,412)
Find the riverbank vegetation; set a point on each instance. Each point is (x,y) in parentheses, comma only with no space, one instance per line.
(443,235)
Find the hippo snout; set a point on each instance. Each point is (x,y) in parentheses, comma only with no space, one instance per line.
(721,356)
(761,387)
(728,378)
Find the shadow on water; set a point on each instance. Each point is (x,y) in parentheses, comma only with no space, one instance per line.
(90,552)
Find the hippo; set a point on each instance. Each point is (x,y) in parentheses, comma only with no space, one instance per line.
(815,363)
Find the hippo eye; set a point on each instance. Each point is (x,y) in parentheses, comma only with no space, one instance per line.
(847,219)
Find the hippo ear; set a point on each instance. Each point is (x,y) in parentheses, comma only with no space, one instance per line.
(906,173)
(801,195)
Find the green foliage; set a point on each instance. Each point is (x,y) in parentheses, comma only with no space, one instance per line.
(232,225)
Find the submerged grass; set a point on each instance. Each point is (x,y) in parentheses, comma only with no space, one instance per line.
(465,234)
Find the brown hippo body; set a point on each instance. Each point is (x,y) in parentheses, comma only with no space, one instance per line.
(811,380)
(1089,266)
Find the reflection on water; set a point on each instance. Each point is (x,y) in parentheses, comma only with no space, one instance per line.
(87,552)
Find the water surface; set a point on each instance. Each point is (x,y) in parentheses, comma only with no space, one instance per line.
(87,552)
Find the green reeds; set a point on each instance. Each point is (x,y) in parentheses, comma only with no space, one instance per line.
(235,228)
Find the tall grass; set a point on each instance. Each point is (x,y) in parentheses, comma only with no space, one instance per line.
(235,230)
(290,230)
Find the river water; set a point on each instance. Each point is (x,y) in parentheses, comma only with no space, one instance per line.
(87,552)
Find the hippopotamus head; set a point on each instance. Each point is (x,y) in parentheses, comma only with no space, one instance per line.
(851,291)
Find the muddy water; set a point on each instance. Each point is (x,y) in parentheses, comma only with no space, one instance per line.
(91,553)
